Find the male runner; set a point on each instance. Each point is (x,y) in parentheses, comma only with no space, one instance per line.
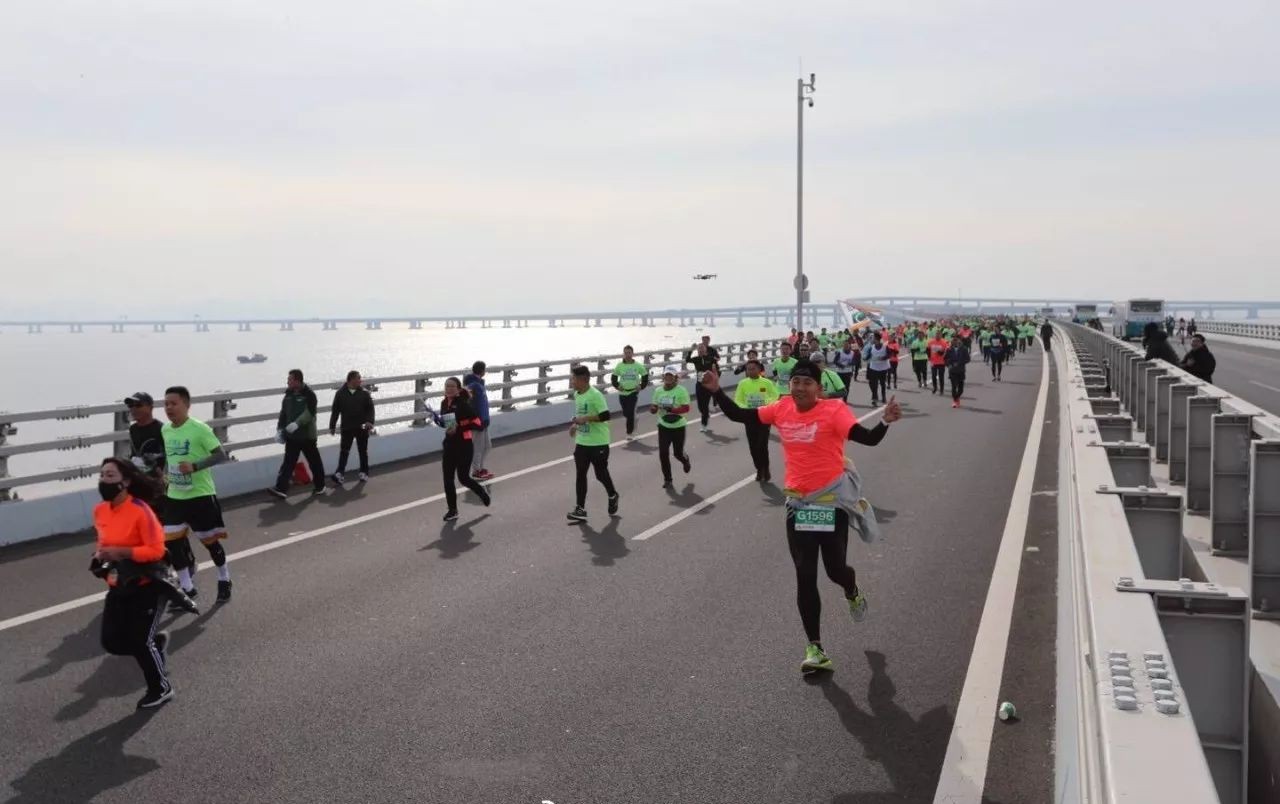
(999,351)
(756,392)
(629,377)
(938,363)
(822,497)
(590,431)
(844,365)
(832,386)
(670,403)
(191,451)
(703,359)
(781,368)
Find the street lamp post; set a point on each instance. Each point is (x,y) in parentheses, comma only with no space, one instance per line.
(803,95)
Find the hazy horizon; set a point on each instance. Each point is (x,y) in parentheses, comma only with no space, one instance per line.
(428,158)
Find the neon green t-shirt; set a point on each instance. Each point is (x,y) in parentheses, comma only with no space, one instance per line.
(629,375)
(667,400)
(591,403)
(782,373)
(831,383)
(755,393)
(919,349)
(192,442)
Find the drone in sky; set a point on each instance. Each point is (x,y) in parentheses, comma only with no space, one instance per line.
(704,276)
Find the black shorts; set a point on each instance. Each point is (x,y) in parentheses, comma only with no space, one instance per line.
(199,516)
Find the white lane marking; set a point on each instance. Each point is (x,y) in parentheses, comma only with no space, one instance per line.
(1264,385)
(714,498)
(50,611)
(964,770)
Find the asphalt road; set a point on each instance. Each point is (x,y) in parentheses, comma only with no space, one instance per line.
(509,657)
(1249,372)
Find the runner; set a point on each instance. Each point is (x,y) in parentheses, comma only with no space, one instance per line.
(146,444)
(130,540)
(354,406)
(752,354)
(629,377)
(999,350)
(460,422)
(824,498)
(191,450)
(984,340)
(756,392)
(938,363)
(781,369)
(481,445)
(894,349)
(670,403)
(1046,335)
(832,386)
(844,362)
(703,359)
(590,431)
(296,429)
(919,347)
(876,355)
(956,358)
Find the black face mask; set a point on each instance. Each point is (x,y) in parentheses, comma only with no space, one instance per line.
(109,491)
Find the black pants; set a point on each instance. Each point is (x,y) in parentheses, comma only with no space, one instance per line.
(939,379)
(758,443)
(129,621)
(704,403)
(847,379)
(361,437)
(455,461)
(670,439)
(892,379)
(308,449)
(805,547)
(957,383)
(1047,341)
(597,458)
(876,379)
(921,368)
(997,364)
(628,402)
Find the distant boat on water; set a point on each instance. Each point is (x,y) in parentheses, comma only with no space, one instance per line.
(257,357)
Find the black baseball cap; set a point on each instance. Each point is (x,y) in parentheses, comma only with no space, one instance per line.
(139,398)
(807,368)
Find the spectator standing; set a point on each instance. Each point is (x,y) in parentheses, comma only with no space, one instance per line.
(296,429)
(480,443)
(353,405)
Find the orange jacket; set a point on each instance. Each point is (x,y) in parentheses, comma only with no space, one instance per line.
(938,352)
(131,524)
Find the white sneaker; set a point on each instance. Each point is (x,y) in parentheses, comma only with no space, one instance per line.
(338,478)
(364,477)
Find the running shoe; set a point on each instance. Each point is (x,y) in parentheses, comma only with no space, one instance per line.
(815,660)
(155,698)
(955,403)
(476,474)
(450,515)
(364,477)
(667,484)
(278,493)
(224,591)
(613,505)
(487,499)
(578,514)
(339,478)
(485,474)
(318,492)
(766,476)
(176,608)
(686,464)
(858,607)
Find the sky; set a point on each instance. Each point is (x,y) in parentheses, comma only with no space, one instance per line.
(422,157)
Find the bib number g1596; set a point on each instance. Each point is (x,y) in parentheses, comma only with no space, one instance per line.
(815,518)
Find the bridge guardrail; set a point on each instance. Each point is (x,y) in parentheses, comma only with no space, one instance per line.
(1227,454)
(551,382)
(1241,329)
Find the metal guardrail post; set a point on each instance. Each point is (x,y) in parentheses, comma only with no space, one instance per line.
(544,387)
(6,430)
(1200,413)
(1264,528)
(1130,464)
(1155,370)
(601,368)
(508,376)
(222,407)
(1163,400)
(122,449)
(1179,393)
(1229,484)
(419,404)
(1155,525)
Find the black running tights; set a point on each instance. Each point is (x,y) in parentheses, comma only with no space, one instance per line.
(597,458)
(805,547)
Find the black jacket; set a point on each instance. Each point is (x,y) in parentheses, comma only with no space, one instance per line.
(355,409)
(1158,348)
(1200,363)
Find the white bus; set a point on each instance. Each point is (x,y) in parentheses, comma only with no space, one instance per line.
(1131,316)
(1083,313)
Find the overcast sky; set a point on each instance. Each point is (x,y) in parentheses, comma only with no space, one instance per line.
(478,156)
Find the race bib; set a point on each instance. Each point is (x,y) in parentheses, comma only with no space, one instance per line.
(178,480)
(815,518)
(755,400)
(450,419)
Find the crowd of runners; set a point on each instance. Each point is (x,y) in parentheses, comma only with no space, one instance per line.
(165,494)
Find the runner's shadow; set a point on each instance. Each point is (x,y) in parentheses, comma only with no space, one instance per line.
(117,676)
(88,767)
(277,512)
(773,495)
(719,439)
(687,498)
(78,646)
(910,751)
(607,546)
(455,539)
(639,447)
(1017,382)
(341,495)
(972,409)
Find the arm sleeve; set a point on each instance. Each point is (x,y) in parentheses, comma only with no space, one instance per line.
(870,437)
(333,413)
(734,413)
(283,420)
(644,381)
(309,415)
(150,536)
(613,380)
(368,408)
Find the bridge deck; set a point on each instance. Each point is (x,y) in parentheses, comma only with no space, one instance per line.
(509,657)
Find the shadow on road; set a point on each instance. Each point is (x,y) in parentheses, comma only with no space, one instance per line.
(77,646)
(639,447)
(772,494)
(972,409)
(910,750)
(341,495)
(88,767)
(456,538)
(277,512)
(720,439)
(686,498)
(607,546)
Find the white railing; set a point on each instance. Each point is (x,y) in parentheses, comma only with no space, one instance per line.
(550,381)
(1241,329)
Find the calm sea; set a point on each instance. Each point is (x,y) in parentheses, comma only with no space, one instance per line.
(60,369)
